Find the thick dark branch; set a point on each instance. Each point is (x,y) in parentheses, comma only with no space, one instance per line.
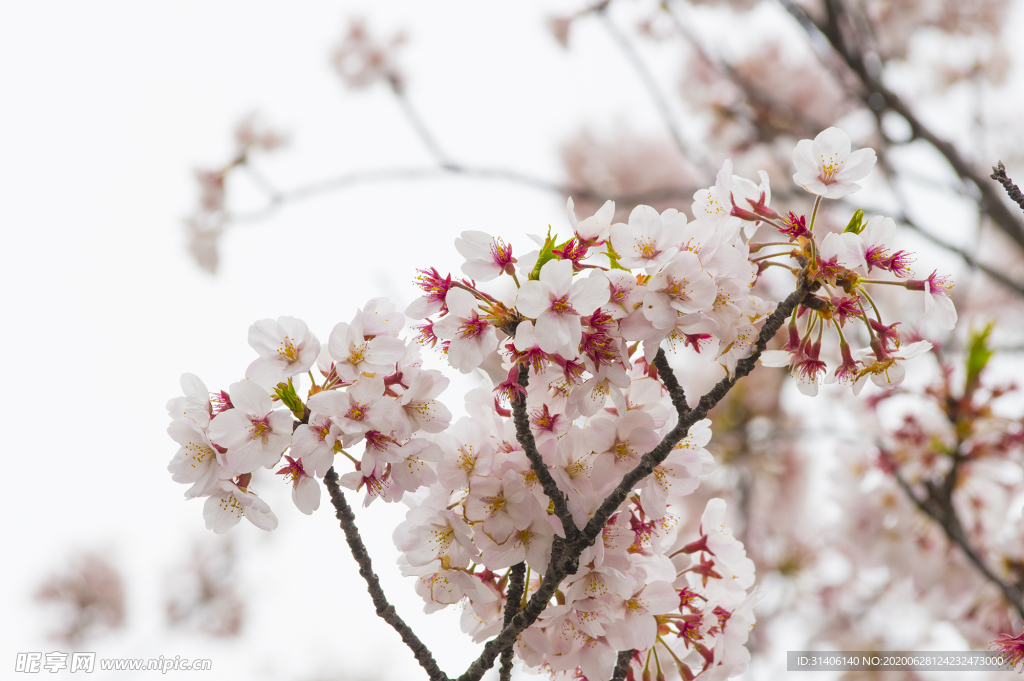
(1012,190)
(516,585)
(622,665)
(525,437)
(832,29)
(566,561)
(651,460)
(668,377)
(384,609)
(942,511)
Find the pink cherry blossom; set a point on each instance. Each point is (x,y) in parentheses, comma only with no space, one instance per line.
(486,256)
(556,302)
(253,433)
(470,337)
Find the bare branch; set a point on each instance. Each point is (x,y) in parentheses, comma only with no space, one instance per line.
(939,507)
(1012,190)
(675,391)
(652,87)
(525,437)
(385,610)
(516,585)
(452,168)
(416,121)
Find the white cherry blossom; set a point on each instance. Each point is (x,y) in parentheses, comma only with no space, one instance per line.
(286,348)
(470,337)
(556,302)
(649,240)
(254,433)
(827,167)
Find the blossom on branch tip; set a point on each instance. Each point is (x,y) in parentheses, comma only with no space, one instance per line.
(827,167)
(487,257)
(595,228)
(286,348)
(937,302)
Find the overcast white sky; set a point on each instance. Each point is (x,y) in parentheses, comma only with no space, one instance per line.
(107,107)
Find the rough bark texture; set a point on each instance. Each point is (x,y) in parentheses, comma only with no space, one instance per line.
(384,609)
(516,585)
(566,562)
(525,437)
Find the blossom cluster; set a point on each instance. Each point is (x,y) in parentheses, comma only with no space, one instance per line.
(571,334)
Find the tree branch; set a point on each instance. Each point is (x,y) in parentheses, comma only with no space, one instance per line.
(622,665)
(566,561)
(668,377)
(651,460)
(652,87)
(452,168)
(1012,190)
(989,202)
(515,596)
(939,507)
(525,437)
(385,610)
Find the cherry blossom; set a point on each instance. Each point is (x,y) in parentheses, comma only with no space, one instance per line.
(556,302)
(254,433)
(227,504)
(470,337)
(649,240)
(286,349)
(827,167)
(486,257)
(937,303)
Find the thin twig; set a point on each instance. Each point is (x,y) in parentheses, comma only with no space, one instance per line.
(348,180)
(653,89)
(942,511)
(385,610)
(516,585)
(417,124)
(1012,190)
(525,437)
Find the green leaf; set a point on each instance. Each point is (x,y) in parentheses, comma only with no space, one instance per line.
(545,254)
(978,354)
(289,398)
(856,224)
(613,258)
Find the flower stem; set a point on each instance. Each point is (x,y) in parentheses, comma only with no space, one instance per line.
(770,255)
(814,213)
